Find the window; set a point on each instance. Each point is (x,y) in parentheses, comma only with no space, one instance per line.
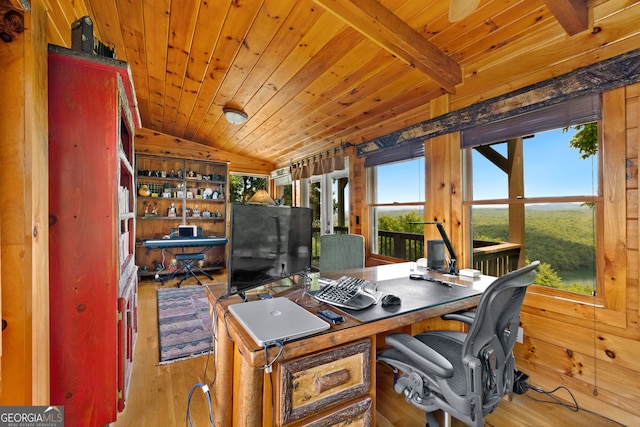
(537,198)
(284,194)
(329,199)
(397,200)
(242,187)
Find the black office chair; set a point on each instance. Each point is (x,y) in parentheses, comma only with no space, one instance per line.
(464,374)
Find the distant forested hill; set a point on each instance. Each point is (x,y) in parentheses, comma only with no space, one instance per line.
(561,235)
(564,237)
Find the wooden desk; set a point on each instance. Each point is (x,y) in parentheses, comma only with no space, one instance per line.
(321,380)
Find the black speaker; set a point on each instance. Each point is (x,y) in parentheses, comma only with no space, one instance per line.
(435,254)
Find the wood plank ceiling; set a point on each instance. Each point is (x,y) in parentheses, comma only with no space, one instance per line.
(314,74)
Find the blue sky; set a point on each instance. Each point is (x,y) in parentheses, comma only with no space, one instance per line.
(552,168)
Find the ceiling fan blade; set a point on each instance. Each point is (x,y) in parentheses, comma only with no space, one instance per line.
(460,9)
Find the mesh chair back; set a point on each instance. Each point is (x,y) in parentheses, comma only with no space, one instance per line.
(341,252)
(492,335)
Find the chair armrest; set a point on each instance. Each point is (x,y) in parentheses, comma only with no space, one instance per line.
(461,316)
(426,359)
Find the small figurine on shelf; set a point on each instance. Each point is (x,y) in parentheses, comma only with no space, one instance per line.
(154,210)
(196,211)
(172,210)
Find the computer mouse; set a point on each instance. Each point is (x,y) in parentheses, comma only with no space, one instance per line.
(390,301)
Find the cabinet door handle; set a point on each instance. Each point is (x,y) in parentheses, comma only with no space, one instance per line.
(332,380)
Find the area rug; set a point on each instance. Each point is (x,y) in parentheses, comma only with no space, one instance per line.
(184,324)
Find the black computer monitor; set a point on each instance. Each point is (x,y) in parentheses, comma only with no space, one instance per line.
(267,243)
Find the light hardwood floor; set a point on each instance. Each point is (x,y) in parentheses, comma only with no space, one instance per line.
(158,393)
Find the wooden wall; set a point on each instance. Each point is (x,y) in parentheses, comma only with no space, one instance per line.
(592,346)
(589,345)
(160,144)
(24,230)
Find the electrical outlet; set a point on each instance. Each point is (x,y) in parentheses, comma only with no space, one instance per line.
(520,336)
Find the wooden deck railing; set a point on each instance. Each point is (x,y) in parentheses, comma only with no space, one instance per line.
(495,258)
(396,244)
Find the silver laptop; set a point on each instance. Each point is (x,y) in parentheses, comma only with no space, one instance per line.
(276,319)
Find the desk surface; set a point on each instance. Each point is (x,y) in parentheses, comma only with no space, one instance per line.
(240,381)
(420,300)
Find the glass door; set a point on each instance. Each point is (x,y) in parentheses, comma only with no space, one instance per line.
(328,197)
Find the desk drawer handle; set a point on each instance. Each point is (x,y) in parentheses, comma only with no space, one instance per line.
(332,380)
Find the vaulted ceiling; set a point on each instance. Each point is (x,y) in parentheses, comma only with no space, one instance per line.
(314,74)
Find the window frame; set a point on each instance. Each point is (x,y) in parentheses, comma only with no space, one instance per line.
(410,154)
(598,298)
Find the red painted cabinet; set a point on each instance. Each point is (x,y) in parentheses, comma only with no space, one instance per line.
(93,277)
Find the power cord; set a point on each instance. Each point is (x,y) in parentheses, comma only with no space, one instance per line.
(268,368)
(521,386)
(157,276)
(205,390)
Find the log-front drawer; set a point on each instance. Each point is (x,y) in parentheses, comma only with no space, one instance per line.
(311,384)
(357,413)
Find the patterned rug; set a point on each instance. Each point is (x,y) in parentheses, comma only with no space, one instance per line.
(184,324)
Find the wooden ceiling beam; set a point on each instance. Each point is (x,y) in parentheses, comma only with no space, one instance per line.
(573,15)
(380,25)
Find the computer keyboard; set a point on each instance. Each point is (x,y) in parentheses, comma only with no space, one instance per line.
(346,292)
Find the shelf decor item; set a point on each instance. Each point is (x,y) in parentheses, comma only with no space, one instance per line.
(144,190)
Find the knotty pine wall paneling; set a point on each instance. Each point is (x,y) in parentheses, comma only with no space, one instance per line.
(633,234)
(160,144)
(591,345)
(24,241)
(443,184)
